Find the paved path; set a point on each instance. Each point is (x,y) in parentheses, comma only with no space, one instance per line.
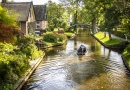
(120,38)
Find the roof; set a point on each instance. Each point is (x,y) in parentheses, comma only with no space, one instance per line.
(22,8)
(40,12)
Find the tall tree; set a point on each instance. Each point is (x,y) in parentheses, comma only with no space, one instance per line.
(92,12)
(73,7)
(56,14)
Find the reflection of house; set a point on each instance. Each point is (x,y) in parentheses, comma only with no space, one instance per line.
(41,18)
(28,13)
(25,11)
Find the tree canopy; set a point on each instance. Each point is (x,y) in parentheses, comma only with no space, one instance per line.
(8,17)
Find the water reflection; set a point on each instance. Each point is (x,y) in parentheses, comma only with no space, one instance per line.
(63,69)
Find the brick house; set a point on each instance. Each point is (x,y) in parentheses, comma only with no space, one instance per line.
(30,16)
(41,18)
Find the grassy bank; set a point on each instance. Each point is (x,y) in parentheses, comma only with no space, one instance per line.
(113,43)
(126,56)
(116,43)
(106,39)
(69,34)
(50,39)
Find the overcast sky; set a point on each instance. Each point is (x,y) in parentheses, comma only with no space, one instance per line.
(35,2)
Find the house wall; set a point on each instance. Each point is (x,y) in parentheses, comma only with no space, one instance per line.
(31,19)
(31,16)
(23,27)
(43,25)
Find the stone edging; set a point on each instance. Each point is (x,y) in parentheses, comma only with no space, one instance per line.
(23,80)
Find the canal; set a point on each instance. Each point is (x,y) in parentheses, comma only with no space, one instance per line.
(63,69)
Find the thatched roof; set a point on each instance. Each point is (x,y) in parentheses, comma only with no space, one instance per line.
(22,8)
(40,12)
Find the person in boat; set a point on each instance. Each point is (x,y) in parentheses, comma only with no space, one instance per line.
(82,49)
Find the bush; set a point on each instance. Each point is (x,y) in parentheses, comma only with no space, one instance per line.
(64,25)
(24,41)
(50,37)
(61,37)
(12,63)
(31,51)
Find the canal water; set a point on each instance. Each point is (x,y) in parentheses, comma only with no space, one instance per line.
(62,69)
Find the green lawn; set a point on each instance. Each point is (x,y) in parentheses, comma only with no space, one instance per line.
(106,40)
(69,34)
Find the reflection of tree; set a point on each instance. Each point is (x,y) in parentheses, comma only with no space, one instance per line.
(93,45)
(83,71)
(75,43)
(109,52)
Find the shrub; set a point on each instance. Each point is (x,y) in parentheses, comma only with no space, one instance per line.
(31,51)
(61,37)
(24,41)
(50,37)
(12,63)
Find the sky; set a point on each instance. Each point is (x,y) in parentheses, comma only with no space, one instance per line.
(35,2)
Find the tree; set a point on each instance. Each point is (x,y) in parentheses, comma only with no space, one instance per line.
(8,33)
(8,26)
(56,14)
(8,17)
(73,7)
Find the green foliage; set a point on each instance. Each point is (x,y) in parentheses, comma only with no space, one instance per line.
(8,17)
(25,41)
(6,87)
(56,15)
(26,45)
(50,37)
(61,37)
(12,63)
(126,55)
(64,25)
(106,39)
(69,34)
(31,51)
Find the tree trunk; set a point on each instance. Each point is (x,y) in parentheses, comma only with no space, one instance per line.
(75,21)
(94,26)
(104,34)
(109,35)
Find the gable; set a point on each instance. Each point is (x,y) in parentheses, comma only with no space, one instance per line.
(40,12)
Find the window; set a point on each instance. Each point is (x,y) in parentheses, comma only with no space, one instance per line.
(37,25)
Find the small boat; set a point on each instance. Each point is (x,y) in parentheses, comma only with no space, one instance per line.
(81,50)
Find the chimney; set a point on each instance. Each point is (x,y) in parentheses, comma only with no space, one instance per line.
(4,1)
